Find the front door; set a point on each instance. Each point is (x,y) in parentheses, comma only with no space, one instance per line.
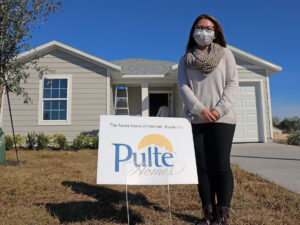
(157,100)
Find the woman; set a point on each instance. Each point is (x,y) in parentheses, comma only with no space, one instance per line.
(208,84)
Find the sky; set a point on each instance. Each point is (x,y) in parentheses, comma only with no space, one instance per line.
(159,29)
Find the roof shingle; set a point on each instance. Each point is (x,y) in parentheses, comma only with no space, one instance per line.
(144,66)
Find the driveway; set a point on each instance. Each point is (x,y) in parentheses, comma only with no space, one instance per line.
(279,163)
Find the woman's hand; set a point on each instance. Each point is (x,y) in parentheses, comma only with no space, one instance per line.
(208,116)
(216,113)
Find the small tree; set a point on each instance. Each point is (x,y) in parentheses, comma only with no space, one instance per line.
(276,121)
(18,18)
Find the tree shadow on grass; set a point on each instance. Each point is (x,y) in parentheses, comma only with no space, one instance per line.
(105,207)
(12,163)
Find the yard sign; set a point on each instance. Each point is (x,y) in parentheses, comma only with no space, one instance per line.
(138,150)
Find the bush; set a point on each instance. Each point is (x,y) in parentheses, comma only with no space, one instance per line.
(60,141)
(95,142)
(294,138)
(89,141)
(31,140)
(42,141)
(85,141)
(20,140)
(9,142)
(79,142)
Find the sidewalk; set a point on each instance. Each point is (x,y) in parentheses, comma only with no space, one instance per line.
(279,163)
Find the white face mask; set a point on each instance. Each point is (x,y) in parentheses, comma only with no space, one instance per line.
(203,37)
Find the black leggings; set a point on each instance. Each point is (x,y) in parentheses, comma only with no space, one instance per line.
(212,142)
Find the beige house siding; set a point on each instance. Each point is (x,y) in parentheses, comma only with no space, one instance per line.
(88,98)
(135,100)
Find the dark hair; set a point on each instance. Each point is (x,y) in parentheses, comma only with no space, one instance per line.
(220,39)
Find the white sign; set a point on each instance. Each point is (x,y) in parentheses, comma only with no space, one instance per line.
(138,150)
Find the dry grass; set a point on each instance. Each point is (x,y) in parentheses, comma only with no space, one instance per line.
(59,187)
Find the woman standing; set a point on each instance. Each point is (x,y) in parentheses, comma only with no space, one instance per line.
(208,84)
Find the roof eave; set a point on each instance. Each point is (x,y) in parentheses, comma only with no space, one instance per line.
(55,44)
(271,67)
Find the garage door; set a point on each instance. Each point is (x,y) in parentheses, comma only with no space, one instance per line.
(246,107)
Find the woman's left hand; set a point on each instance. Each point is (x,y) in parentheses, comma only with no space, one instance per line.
(216,113)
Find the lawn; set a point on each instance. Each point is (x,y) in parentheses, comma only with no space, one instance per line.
(59,187)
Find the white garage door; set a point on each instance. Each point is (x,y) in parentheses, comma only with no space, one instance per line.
(246,107)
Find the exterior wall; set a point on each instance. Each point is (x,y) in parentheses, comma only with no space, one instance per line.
(241,62)
(178,103)
(88,98)
(160,88)
(135,100)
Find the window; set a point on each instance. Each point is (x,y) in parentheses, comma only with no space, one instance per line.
(55,100)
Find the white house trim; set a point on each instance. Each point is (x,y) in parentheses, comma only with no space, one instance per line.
(144,75)
(108,92)
(249,67)
(138,81)
(2,106)
(269,104)
(55,44)
(261,109)
(69,100)
(174,67)
(145,99)
(256,60)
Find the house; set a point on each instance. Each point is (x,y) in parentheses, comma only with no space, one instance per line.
(82,87)
(276,130)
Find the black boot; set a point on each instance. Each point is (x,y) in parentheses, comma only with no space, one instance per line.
(207,219)
(214,211)
(222,216)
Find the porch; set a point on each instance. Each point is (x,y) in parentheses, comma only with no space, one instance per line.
(145,99)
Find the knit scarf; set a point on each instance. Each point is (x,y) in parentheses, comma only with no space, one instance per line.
(205,61)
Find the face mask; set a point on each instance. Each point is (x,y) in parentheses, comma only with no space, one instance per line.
(203,37)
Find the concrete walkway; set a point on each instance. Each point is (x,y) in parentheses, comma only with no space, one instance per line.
(279,163)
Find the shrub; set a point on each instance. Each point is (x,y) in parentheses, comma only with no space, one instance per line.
(60,141)
(89,141)
(95,142)
(20,140)
(9,142)
(42,141)
(294,138)
(79,141)
(85,141)
(31,140)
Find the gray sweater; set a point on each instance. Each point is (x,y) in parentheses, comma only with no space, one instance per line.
(218,91)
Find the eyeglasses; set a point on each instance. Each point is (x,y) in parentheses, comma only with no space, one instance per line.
(208,28)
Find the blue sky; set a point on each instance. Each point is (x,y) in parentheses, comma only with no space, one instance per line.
(119,29)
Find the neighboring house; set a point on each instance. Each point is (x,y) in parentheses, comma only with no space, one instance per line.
(83,86)
(278,134)
(277,130)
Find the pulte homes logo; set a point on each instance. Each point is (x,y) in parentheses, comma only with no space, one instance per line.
(153,156)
